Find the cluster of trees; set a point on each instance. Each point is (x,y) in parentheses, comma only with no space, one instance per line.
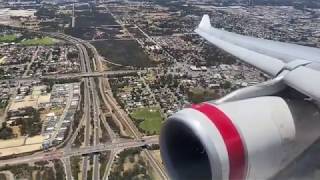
(1,71)
(6,132)
(3,103)
(103,159)
(59,169)
(46,12)
(198,95)
(138,171)
(113,125)
(307,3)
(75,166)
(19,171)
(80,138)
(215,56)
(24,171)
(31,126)
(104,135)
(170,80)
(296,3)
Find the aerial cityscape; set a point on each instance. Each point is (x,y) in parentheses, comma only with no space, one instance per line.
(85,85)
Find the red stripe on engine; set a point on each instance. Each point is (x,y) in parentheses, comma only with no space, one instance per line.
(231,137)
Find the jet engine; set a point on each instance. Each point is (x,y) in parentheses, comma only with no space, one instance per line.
(247,139)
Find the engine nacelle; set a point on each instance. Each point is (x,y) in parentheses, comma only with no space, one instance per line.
(248,139)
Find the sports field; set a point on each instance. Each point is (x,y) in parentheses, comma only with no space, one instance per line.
(8,38)
(150,119)
(45,41)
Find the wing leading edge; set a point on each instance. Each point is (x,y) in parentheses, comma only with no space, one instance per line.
(269,56)
(221,40)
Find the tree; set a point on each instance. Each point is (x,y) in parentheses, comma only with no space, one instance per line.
(32,125)
(226,85)
(6,132)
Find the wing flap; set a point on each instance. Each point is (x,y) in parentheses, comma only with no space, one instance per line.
(305,80)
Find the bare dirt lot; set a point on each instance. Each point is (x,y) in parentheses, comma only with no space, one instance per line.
(20,145)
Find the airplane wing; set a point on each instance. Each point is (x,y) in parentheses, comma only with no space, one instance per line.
(302,63)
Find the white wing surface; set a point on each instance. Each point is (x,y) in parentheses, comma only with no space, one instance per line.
(270,56)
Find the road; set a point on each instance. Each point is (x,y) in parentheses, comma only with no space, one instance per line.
(63,153)
(112,135)
(98,114)
(67,168)
(124,117)
(88,83)
(91,69)
(96,123)
(109,164)
(75,75)
(61,118)
(87,127)
(34,56)
(93,103)
(128,122)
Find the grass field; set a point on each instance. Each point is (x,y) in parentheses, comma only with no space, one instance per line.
(150,119)
(8,38)
(45,41)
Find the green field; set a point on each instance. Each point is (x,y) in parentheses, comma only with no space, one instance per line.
(8,38)
(149,119)
(45,41)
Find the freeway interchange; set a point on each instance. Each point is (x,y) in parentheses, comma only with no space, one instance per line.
(95,85)
(95,78)
(77,75)
(65,153)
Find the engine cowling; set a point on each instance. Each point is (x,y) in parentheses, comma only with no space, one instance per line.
(248,139)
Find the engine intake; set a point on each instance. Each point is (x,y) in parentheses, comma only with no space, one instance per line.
(247,139)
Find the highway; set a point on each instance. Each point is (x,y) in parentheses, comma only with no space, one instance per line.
(75,75)
(88,90)
(88,85)
(109,163)
(94,110)
(98,114)
(128,122)
(92,74)
(123,117)
(96,123)
(63,153)
(91,70)
(67,168)
(87,127)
